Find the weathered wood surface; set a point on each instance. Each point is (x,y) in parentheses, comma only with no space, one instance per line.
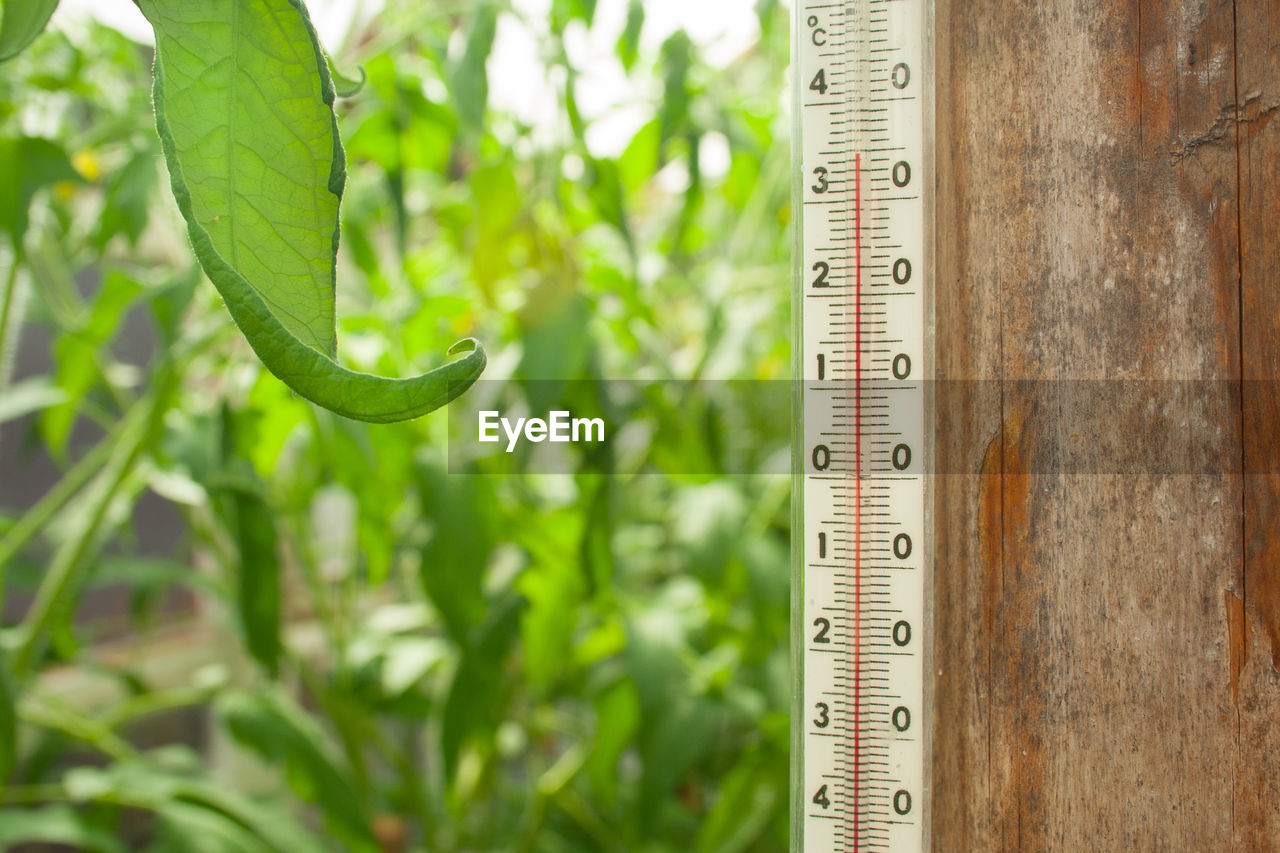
(1107,639)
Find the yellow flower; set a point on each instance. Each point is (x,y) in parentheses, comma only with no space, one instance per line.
(86,163)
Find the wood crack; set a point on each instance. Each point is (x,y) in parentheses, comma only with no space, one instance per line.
(1252,109)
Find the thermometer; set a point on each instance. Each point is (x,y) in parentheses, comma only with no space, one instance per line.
(864,315)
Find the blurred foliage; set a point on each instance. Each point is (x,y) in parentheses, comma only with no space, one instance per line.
(407,657)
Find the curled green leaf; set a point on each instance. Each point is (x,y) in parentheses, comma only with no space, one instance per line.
(342,84)
(244,109)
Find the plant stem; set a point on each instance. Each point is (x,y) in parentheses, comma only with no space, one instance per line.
(47,716)
(7,299)
(10,315)
(151,703)
(36,518)
(31,794)
(62,581)
(352,740)
(550,785)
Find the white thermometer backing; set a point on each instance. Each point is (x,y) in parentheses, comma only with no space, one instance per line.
(864,314)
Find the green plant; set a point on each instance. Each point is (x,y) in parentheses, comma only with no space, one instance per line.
(20,23)
(397,652)
(244,106)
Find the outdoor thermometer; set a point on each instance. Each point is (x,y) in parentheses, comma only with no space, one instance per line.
(863,312)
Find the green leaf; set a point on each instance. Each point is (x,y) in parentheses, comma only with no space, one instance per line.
(224,820)
(79,365)
(251,521)
(343,85)
(244,109)
(455,558)
(63,577)
(639,161)
(473,710)
(553,585)
(749,797)
(629,42)
(617,721)
(355,449)
(554,341)
(677,57)
(57,824)
(170,301)
(29,396)
(8,720)
(470,79)
(605,189)
(675,742)
(201,830)
(564,11)
(657,643)
(553,592)
(27,164)
(408,659)
(124,208)
(272,828)
(258,591)
(21,22)
(497,200)
(281,732)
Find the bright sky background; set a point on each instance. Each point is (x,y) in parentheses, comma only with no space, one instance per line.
(721,28)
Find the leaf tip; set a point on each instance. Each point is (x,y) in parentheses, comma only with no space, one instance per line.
(344,86)
(465,345)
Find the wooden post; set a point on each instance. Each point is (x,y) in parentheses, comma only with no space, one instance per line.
(1107,637)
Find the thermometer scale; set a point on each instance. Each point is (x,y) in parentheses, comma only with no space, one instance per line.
(863,85)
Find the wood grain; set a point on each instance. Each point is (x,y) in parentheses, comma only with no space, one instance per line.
(1107,203)
(1256,638)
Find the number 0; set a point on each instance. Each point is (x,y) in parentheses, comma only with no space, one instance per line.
(901,173)
(901,271)
(901,457)
(901,633)
(901,718)
(821,457)
(901,366)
